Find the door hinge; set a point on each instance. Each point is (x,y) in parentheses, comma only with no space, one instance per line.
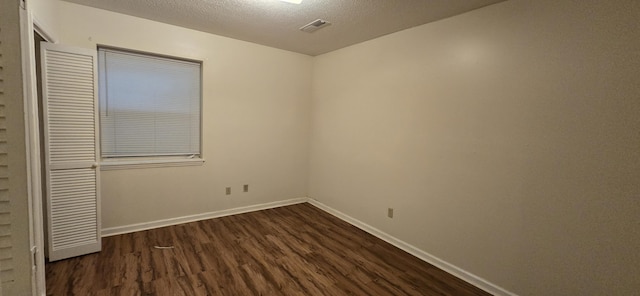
(23,4)
(34,256)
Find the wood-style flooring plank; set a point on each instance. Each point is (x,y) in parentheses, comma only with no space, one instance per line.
(293,250)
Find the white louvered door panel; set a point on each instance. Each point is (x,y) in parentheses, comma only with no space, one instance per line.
(6,240)
(71,133)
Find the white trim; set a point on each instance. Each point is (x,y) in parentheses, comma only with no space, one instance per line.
(424,256)
(204,216)
(108,165)
(33,157)
(420,254)
(40,29)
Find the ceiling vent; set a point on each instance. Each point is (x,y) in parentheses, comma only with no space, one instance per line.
(314,26)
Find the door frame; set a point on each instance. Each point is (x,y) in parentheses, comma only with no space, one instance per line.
(28,25)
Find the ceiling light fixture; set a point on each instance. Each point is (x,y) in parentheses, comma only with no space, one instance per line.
(292,1)
(314,26)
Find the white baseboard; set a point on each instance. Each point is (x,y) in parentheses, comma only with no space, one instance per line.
(191,218)
(424,256)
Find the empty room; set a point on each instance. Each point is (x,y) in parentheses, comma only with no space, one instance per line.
(319,147)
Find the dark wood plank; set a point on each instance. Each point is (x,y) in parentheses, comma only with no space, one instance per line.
(293,250)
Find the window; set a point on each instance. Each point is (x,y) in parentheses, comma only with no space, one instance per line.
(149,106)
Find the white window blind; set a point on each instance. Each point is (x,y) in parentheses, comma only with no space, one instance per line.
(149,105)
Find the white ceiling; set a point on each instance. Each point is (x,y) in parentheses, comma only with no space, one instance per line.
(276,24)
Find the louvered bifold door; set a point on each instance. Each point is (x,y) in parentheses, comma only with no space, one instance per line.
(71,151)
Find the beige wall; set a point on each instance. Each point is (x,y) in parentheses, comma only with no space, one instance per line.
(507,140)
(255,120)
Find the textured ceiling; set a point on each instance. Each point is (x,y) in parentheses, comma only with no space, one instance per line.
(276,24)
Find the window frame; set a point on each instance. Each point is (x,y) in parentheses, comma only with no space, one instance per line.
(133,162)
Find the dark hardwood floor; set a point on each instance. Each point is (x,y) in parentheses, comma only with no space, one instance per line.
(293,250)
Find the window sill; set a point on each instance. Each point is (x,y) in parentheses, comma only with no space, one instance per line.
(110,165)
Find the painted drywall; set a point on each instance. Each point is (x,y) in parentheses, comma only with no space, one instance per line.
(13,158)
(256,103)
(506,139)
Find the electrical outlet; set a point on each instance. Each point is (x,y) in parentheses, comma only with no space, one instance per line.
(390,212)
(228,190)
(245,188)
